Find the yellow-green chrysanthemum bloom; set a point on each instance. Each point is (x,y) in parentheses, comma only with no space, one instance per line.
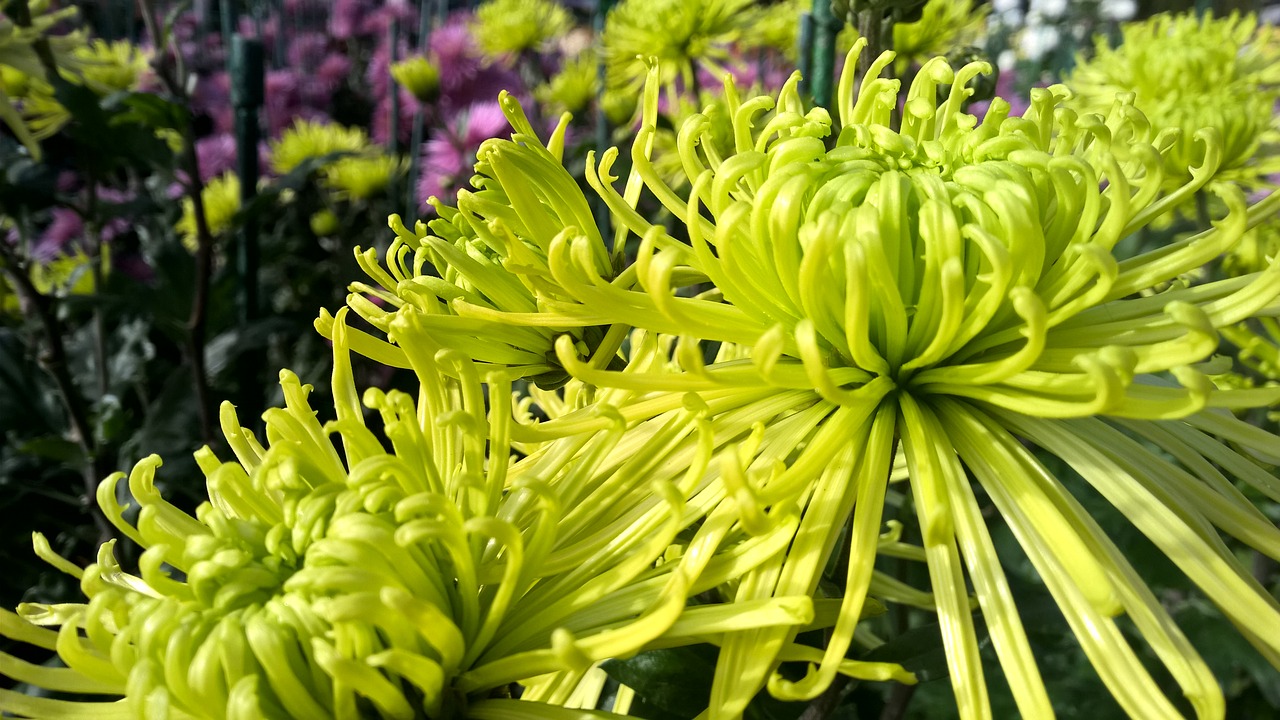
(419,76)
(67,274)
(573,88)
(665,156)
(398,577)
(221,197)
(944,26)
(1187,73)
(360,177)
(102,67)
(307,140)
(491,253)
(682,35)
(777,27)
(112,66)
(22,65)
(948,289)
(511,27)
(952,287)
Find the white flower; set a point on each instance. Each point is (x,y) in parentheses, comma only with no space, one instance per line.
(1049,8)
(1038,41)
(1117,10)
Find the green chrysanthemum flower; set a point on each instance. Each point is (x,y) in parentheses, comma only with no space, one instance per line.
(511,27)
(1189,73)
(103,67)
(112,66)
(221,197)
(308,140)
(68,274)
(944,26)
(22,66)
(360,177)
(953,287)
(777,27)
(491,254)
(573,88)
(948,289)
(419,76)
(406,577)
(682,35)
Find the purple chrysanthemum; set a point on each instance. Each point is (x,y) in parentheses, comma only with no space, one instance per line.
(447,158)
(216,154)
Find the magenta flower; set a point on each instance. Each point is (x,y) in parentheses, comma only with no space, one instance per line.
(306,49)
(1007,88)
(455,52)
(448,157)
(481,122)
(216,154)
(65,227)
(346,17)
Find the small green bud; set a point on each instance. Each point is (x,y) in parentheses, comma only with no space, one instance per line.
(419,76)
(324,223)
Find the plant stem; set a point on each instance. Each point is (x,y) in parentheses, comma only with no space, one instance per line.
(196,323)
(870,27)
(825,704)
(93,236)
(175,83)
(1203,221)
(54,362)
(899,700)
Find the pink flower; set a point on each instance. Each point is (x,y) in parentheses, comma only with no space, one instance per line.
(345,18)
(1006,88)
(483,121)
(65,227)
(455,51)
(216,155)
(381,130)
(448,157)
(306,49)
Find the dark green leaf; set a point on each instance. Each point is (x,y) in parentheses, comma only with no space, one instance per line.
(54,448)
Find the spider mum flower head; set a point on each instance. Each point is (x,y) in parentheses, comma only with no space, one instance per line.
(419,76)
(1188,73)
(953,285)
(682,35)
(23,67)
(950,285)
(221,197)
(113,66)
(310,140)
(510,27)
(572,88)
(496,294)
(943,26)
(360,177)
(101,66)
(406,576)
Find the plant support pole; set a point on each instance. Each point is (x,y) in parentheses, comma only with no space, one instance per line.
(824,53)
(247,67)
